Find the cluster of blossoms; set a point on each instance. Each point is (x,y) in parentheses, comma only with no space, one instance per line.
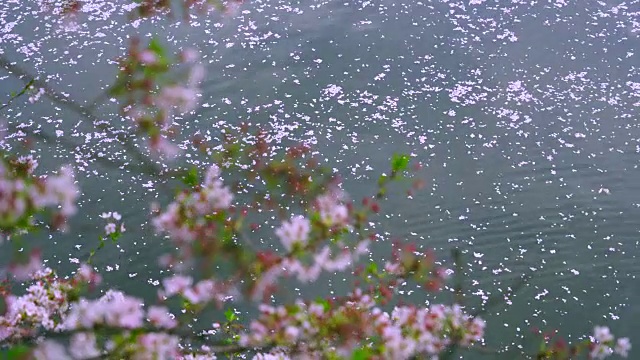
(44,304)
(23,270)
(411,330)
(294,232)
(202,292)
(303,260)
(113,309)
(22,194)
(407,261)
(188,218)
(333,215)
(154,97)
(333,212)
(296,325)
(112,228)
(28,162)
(155,346)
(604,344)
(321,329)
(119,311)
(324,260)
(83,345)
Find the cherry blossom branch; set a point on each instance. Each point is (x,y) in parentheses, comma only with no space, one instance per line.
(123,137)
(214,347)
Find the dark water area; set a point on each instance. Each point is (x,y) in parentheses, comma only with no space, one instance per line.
(524,113)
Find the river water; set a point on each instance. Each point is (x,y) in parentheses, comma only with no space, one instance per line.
(525,114)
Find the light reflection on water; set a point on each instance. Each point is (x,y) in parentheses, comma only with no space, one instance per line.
(525,114)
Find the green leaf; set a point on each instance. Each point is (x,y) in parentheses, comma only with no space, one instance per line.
(372,268)
(156,47)
(382,180)
(15,353)
(119,87)
(115,236)
(361,354)
(230,315)
(191,177)
(543,347)
(399,162)
(324,302)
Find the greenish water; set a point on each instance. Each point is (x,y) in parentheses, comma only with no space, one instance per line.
(525,114)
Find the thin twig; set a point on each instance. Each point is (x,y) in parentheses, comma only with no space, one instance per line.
(457,263)
(22,92)
(99,99)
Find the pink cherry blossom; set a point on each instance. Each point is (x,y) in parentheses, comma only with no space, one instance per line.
(176,284)
(331,210)
(44,305)
(83,346)
(294,231)
(183,98)
(190,55)
(623,345)
(156,346)
(602,334)
(50,350)
(160,317)
(113,309)
(23,271)
(147,57)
